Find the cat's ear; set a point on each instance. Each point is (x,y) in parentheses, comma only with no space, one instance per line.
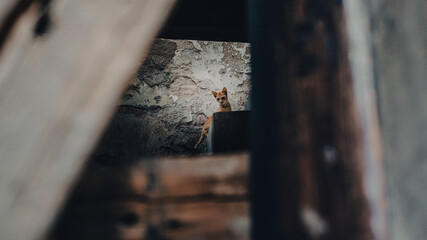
(214,93)
(224,90)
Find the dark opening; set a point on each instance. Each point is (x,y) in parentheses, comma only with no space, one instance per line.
(220,20)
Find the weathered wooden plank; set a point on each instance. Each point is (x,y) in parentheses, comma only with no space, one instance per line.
(210,220)
(167,179)
(311,144)
(132,220)
(183,198)
(57,93)
(126,219)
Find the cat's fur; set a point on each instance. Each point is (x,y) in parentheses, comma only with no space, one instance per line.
(224,106)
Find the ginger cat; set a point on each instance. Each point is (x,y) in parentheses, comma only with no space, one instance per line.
(224,106)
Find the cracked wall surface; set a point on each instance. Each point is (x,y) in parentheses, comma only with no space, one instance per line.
(168,101)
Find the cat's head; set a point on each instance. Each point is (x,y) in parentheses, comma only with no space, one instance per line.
(221,97)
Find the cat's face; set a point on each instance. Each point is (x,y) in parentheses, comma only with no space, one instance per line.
(221,97)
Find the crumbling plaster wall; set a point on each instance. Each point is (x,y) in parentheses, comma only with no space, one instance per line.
(168,101)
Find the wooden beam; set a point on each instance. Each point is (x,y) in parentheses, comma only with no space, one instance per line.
(132,220)
(57,92)
(168,178)
(311,144)
(181,198)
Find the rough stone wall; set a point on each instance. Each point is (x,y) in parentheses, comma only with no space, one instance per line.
(167,103)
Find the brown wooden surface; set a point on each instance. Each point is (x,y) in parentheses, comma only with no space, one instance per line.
(57,93)
(183,198)
(313,138)
(132,220)
(167,178)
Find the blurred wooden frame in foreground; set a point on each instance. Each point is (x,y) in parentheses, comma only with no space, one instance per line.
(173,198)
(63,65)
(58,91)
(316,160)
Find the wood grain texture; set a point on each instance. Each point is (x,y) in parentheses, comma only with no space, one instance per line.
(57,93)
(168,178)
(310,147)
(183,198)
(132,220)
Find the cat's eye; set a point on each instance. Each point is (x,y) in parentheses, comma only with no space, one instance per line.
(217,99)
(223,98)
